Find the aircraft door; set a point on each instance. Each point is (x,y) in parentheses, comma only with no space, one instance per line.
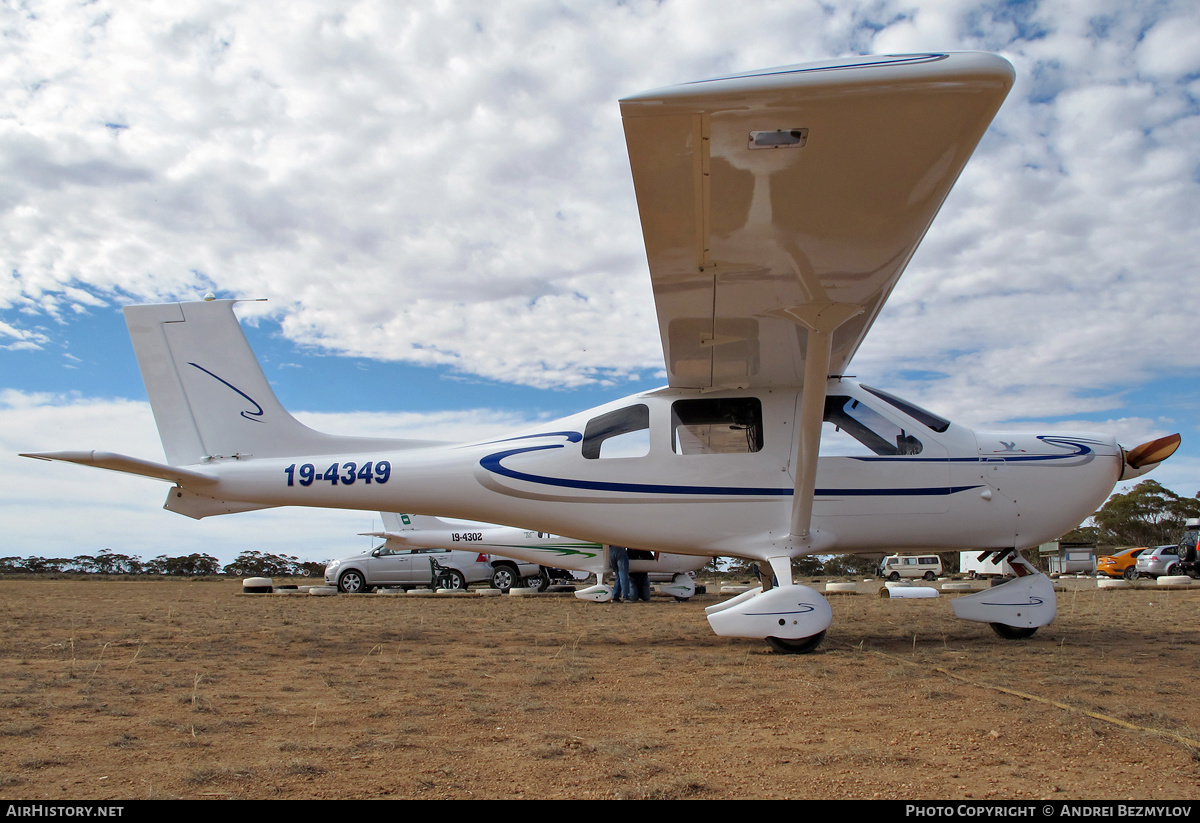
(874,461)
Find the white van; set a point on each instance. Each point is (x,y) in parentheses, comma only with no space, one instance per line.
(897,566)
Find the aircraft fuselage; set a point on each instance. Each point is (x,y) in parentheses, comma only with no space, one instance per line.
(648,470)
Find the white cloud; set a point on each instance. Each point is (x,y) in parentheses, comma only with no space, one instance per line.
(447,184)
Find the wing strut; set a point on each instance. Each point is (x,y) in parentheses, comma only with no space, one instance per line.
(821,320)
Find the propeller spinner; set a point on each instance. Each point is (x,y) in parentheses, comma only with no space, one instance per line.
(1143,458)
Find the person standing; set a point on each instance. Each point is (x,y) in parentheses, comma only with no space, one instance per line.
(618,561)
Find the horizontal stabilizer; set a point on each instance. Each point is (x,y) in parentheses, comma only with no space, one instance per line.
(128,465)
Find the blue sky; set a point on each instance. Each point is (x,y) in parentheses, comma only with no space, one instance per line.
(437,205)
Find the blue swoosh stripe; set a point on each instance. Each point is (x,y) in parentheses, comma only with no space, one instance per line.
(493,464)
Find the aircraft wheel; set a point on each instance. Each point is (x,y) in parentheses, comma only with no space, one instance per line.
(352,582)
(1130,573)
(1012,632)
(802,645)
(504,578)
(541,582)
(452,580)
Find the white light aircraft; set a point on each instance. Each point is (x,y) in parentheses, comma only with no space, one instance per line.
(540,548)
(779,207)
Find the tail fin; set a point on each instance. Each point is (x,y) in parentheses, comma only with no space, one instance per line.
(209,394)
(394,522)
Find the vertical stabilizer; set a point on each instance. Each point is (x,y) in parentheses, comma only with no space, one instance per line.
(209,394)
(393,522)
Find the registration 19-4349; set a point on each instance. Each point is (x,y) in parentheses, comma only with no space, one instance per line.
(347,473)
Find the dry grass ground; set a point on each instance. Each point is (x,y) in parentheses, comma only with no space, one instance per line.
(125,690)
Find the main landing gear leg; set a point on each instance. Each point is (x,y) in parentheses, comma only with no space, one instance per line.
(791,618)
(601,592)
(1016,609)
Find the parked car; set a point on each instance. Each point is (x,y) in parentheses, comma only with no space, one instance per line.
(1121,564)
(897,566)
(410,568)
(1158,561)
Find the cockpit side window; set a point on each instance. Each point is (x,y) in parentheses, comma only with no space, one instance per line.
(728,425)
(866,426)
(621,433)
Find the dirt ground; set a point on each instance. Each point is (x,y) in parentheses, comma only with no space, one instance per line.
(176,689)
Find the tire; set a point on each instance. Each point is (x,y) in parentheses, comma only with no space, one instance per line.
(351,581)
(894,576)
(1173,570)
(453,580)
(930,576)
(1012,632)
(504,578)
(804,645)
(1130,573)
(541,582)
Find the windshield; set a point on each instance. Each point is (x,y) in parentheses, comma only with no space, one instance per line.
(923,416)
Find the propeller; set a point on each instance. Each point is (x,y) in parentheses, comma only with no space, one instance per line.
(1143,458)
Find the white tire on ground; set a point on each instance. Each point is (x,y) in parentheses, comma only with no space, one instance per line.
(1174,580)
(957,586)
(1110,583)
(909,592)
(841,587)
(257,585)
(322,591)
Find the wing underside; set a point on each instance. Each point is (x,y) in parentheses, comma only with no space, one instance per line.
(788,199)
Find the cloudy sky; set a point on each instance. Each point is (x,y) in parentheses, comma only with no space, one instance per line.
(436,202)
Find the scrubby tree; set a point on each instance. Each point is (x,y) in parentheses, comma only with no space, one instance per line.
(1146,515)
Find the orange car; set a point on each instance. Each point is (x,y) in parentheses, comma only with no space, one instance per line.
(1121,564)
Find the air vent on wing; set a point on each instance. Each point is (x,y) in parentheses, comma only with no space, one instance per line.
(778,139)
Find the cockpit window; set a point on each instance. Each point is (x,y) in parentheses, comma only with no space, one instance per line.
(865,427)
(922,416)
(621,433)
(728,425)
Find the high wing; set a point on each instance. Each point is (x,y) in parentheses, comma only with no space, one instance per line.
(779,208)
(785,199)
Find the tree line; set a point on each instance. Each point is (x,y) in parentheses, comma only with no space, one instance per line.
(106,561)
(1149,514)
